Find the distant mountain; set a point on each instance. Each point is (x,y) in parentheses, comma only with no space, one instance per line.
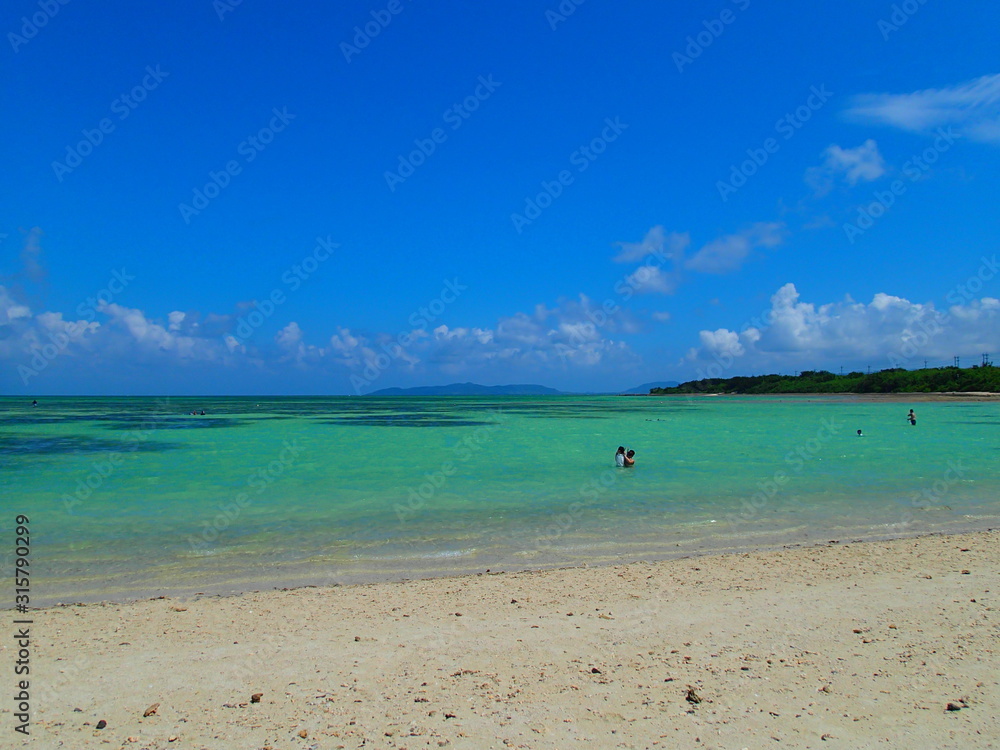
(646,387)
(469,389)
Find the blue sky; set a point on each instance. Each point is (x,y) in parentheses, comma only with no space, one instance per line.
(258,197)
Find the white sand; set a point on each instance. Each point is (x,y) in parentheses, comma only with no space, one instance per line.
(863,644)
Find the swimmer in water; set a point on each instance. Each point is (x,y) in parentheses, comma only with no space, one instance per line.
(911,417)
(620,456)
(629,458)
(859,434)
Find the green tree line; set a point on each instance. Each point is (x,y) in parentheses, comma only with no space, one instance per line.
(894,380)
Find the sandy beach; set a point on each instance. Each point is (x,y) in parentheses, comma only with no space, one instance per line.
(847,645)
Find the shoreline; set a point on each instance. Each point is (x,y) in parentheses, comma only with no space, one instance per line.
(861,642)
(938,396)
(294,576)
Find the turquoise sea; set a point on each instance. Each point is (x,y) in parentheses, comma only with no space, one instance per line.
(137,497)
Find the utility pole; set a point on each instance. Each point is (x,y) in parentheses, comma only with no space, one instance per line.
(956,362)
(986,359)
(925,364)
(869,369)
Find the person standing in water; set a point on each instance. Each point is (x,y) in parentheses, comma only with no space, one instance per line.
(629,458)
(620,456)
(911,417)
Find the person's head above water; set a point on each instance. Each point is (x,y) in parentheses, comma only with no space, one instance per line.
(859,433)
(630,453)
(621,449)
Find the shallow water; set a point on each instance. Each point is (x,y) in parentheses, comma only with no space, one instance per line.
(135,496)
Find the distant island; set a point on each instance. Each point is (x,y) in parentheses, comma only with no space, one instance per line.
(469,389)
(896,380)
(647,387)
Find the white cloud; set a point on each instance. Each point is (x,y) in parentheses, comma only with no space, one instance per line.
(664,257)
(343,341)
(480,335)
(652,279)
(10,309)
(144,331)
(150,340)
(656,243)
(862,163)
(661,316)
(576,333)
(175,319)
(53,323)
(289,337)
(888,331)
(729,253)
(289,341)
(972,107)
(34,343)
(348,349)
(721,341)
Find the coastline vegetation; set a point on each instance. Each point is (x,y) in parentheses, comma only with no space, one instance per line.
(895,380)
